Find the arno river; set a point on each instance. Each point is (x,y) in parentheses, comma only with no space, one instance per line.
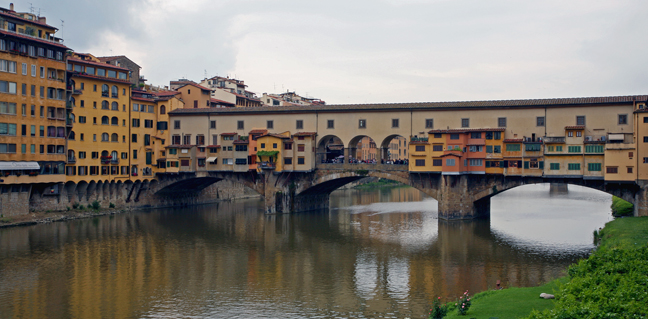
(374,254)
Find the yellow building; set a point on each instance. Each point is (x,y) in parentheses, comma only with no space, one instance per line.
(98,143)
(271,151)
(32,108)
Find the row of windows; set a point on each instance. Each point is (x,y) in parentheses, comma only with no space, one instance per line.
(52,131)
(95,155)
(94,170)
(8,148)
(31,50)
(90,70)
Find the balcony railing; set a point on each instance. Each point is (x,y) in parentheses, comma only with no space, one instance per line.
(419,139)
(267,165)
(114,161)
(554,139)
(71,160)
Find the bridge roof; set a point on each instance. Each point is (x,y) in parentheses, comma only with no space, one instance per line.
(490,104)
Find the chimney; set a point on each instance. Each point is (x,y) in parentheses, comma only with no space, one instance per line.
(42,20)
(11,7)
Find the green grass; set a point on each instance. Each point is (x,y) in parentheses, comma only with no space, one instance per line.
(622,233)
(380,183)
(510,302)
(621,207)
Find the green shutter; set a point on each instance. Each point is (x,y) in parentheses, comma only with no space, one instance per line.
(526,164)
(541,164)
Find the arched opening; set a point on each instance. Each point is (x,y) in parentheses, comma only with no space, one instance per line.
(393,150)
(72,136)
(115,91)
(114,106)
(105,120)
(114,121)
(363,150)
(162,109)
(104,137)
(104,90)
(330,150)
(114,137)
(104,105)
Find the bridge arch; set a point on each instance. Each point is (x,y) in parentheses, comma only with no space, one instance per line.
(393,152)
(329,149)
(334,180)
(363,147)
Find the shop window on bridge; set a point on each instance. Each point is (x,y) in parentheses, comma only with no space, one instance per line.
(241,161)
(420,162)
(437,162)
(594,167)
(512,147)
(184,162)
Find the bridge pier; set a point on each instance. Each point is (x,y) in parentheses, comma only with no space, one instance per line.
(457,199)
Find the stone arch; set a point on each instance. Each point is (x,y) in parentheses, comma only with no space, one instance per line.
(329,148)
(363,148)
(81,191)
(396,152)
(98,194)
(328,183)
(70,189)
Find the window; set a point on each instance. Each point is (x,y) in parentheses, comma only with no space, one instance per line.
(82,119)
(394,123)
(574,149)
(300,147)
(420,148)
(573,166)
(200,140)
(269,124)
(240,125)
(595,148)
(437,148)
(186,140)
(176,125)
(212,124)
(559,148)
(532,147)
(489,148)
(299,124)
(147,139)
(579,134)
(287,161)
(330,124)
(475,162)
(114,137)
(262,145)
(454,136)
(274,145)
(497,149)
(42,72)
(450,162)
(104,137)
(629,170)
(429,123)
(105,120)
(419,162)
(301,160)
(501,122)
(465,122)
(437,162)
(580,120)
(114,106)
(362,123)
(162,108)
(134,154)
(623,119)
(8,108)
(148,123)
(134,138)
(287,146)
(594,167)
(8,87)
(512,147)
(475,135)
(612,170)
(240,161)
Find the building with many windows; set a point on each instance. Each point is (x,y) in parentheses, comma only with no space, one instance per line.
(32,108)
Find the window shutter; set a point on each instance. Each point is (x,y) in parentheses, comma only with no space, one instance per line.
(526,164)
(541,164)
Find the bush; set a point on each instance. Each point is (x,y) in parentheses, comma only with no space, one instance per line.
(75,205)
(464,303)
(610,284)
(438,310)
(111,205)
(621,207)
(95,205)
(81,207)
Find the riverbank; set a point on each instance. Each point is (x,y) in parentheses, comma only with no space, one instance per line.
(623,241)
(380,183)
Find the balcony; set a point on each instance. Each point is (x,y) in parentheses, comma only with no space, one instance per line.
(419,139)
(77,92)
(71,160)
(106,159)
(114,161)
(267,165)
(554,139)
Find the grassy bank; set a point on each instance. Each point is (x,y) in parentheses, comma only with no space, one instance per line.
(380,184)
(621,207)
(611,283)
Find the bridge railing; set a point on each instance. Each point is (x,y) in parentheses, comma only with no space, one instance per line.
(362,166)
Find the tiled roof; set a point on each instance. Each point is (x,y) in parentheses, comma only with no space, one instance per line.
(228,134)
(213,146)
(196,85)
(581,101)
(178,146)
(22,36)
(166,93)
(305,134)
(115,57)
(221,101)
(138,98)
(450,154)
(513,140)
(275,135)
(106,65)
(258,131)
(468,130)
(575,127)
(81,75)
(241,142)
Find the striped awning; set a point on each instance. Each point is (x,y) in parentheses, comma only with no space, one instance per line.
(8,166)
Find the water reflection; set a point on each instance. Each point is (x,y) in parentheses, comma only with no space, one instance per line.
(229,260)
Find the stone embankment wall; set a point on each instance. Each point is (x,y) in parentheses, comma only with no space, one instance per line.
(23,199)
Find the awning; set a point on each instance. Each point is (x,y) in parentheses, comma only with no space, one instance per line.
(7,166)
(615,137)
(211,159)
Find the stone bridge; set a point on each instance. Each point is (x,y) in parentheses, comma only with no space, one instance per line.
(464,196)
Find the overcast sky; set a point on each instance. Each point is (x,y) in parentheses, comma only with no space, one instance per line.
(378,51)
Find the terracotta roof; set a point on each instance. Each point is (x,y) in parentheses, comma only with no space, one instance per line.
(165,93)
(241,142)
(178,146)
(305,134)
(535,103)
(275,135)
(106,65)
(476,144)
(213,146)
(80,75)
(115,57)
(513,140)
(221,101)
(196,85)
(450,154)
(138,98)
(27,37)
(258,131)
(468,130)
(575,127)
(17,17)
(228,134)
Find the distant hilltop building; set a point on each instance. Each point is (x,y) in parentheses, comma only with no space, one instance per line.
(289,99)
(233,91)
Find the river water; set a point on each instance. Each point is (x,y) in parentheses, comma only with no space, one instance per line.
(375,254)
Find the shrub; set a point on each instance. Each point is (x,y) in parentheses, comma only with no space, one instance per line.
(81,207)
(621,207)
(438,310)
(75,205)
(464,303)
(111,205)
(95,205)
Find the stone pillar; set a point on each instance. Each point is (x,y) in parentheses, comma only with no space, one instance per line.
(347,154)
(558,188)
(641,199)
(457,201)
